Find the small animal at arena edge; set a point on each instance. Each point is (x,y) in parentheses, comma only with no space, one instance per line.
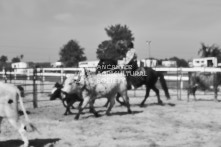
(204,81)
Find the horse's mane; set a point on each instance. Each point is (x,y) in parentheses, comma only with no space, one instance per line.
(134,65)
(105,62)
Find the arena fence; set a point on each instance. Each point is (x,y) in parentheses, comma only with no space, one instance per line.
(41,80)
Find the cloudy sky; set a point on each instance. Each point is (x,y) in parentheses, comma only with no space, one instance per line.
(39,28)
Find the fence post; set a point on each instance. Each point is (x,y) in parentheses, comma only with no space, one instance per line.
(41,81)
(181,83)
(62,75)
(177,74)
(35,100)
(10,76)
(43,74)
(5,75)
(15,76)
(189,86)
(28,74)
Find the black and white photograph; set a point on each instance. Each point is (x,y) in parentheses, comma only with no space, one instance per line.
(110,73)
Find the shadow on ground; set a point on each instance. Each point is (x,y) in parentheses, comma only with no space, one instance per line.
(154,104)
(32,143)
(115,113)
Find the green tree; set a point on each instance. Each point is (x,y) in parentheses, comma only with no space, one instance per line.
(21,56)
(210,51)
(3,59)
(180,62)
(113,48)
(16,59)
(203,51)
(119,32)
(71,53)
(3,62)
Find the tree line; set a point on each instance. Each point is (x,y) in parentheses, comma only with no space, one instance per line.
(4,60)
(72,52)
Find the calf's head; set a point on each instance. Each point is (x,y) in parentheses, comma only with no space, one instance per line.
(56,92)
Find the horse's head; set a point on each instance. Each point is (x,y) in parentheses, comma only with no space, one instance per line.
(106,65)
(73,84)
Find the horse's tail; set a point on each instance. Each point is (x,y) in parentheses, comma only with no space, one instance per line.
(29,126)
(163,84)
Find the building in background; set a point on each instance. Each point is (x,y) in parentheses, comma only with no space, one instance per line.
(169,63)
(205,62)
(147,62)
(90,65)
(20,67)
(57,64)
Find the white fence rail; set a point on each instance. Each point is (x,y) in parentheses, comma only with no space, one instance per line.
(58,72)
(179,75)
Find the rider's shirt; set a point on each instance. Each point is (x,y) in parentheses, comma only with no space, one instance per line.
(130,55)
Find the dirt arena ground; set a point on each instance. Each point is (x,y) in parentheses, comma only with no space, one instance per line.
(175,124)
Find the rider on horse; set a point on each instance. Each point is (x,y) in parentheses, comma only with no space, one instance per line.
(130,62)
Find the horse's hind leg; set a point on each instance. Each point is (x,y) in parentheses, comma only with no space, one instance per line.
(127,101)
(158,95)
(118,99)
(146,96)
(112,102)
(68,111)
(91,109)
(21,129)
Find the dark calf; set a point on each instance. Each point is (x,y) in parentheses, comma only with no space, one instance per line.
(67,99)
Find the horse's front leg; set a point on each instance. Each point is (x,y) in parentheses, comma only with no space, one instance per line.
(188,94)
(127,101)
(194,94)
(81,102)
(146,96)
(215,93)
(112,102)
(92,110)
(158,95)
(68,111)
(106,104)
(84,104)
